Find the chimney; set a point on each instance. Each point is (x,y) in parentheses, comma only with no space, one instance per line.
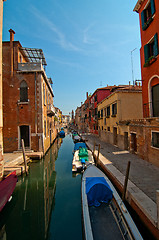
(86,94)
(11,35)
(11,52)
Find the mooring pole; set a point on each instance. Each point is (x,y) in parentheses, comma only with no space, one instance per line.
(94,148)
(126,181)
(98,155)
(25,163)
(157,201)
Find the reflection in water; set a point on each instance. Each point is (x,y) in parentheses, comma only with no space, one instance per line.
(27,215)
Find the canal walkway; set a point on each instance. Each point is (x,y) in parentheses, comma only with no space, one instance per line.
(143,178)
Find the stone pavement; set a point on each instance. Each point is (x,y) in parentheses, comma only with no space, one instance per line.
(143,176)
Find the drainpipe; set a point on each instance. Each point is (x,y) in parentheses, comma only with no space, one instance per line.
(11,52)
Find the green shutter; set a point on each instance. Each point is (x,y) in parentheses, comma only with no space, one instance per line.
(152,7)
(146,52)
(156,45)
(143,19)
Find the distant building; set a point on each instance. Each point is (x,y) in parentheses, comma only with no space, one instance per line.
(27,99)
(1,110)
(96,98)
(123,104)
(65,120)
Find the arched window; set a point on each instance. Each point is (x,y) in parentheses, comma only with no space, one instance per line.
(155,100)
(23,92)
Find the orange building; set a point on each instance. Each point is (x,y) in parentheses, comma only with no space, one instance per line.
(149,19)
(28,111)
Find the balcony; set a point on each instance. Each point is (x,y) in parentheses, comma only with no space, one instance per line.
(30,67)
(91,106)
(50,110)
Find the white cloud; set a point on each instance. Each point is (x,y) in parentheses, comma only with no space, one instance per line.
(60,37)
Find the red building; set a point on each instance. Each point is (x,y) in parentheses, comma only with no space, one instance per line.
(96,98)
(28,111)
(149,19)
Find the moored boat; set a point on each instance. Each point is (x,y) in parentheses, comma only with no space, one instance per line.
(104,214)
(62,133)
(7,186)
(81,159)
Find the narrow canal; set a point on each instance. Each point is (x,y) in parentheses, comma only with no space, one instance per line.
(46,204)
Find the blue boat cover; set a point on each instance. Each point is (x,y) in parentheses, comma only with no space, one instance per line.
(98,191)
(78,145)
(62,133)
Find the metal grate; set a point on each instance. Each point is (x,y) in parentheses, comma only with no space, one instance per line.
(34,55)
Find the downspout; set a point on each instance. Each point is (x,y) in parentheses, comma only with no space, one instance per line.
(11,53)
(35,106)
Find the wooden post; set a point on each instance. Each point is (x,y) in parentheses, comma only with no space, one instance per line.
(126,181)
(98,155)
(94,148)
(157,201)
(25,163)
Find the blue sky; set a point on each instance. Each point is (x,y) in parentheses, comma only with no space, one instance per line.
(87,43)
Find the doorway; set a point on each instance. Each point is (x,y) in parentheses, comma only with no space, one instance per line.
(24,134)
(133,142)
(126,145)
(115,135)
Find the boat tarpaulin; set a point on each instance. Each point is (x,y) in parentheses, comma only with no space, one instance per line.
(79,145)
(98,191)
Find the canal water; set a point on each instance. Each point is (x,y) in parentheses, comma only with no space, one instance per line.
(46,204)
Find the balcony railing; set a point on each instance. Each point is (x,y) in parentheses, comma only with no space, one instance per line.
(30,67)
(50,110)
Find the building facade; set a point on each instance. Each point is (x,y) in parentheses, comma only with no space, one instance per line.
(123,104)
(1,98)
(149,19)
(27,99)
(147,130)
(96,98)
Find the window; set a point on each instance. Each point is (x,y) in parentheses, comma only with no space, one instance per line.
(45,128)
(108,111)
(155,139)
(155,100)
(151,50)
(104,121)
(23,92)
(108,129)
(114,109)
(102,113)
(98,114)
(146,15)
(95,98)
(96,111)
(44,92)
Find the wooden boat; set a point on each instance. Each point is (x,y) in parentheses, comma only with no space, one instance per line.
(62,134)
(104,214)
(7,186)
(81,159)
(79,145)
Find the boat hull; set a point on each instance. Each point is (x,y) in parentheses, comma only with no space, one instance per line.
(77,165)
(112,215)
(7,186)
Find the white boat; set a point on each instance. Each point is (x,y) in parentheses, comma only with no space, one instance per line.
(81,159)
(104,214)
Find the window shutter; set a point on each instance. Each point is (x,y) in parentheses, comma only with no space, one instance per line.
(146,52)
(152,7)
(143,19)
(156,45)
